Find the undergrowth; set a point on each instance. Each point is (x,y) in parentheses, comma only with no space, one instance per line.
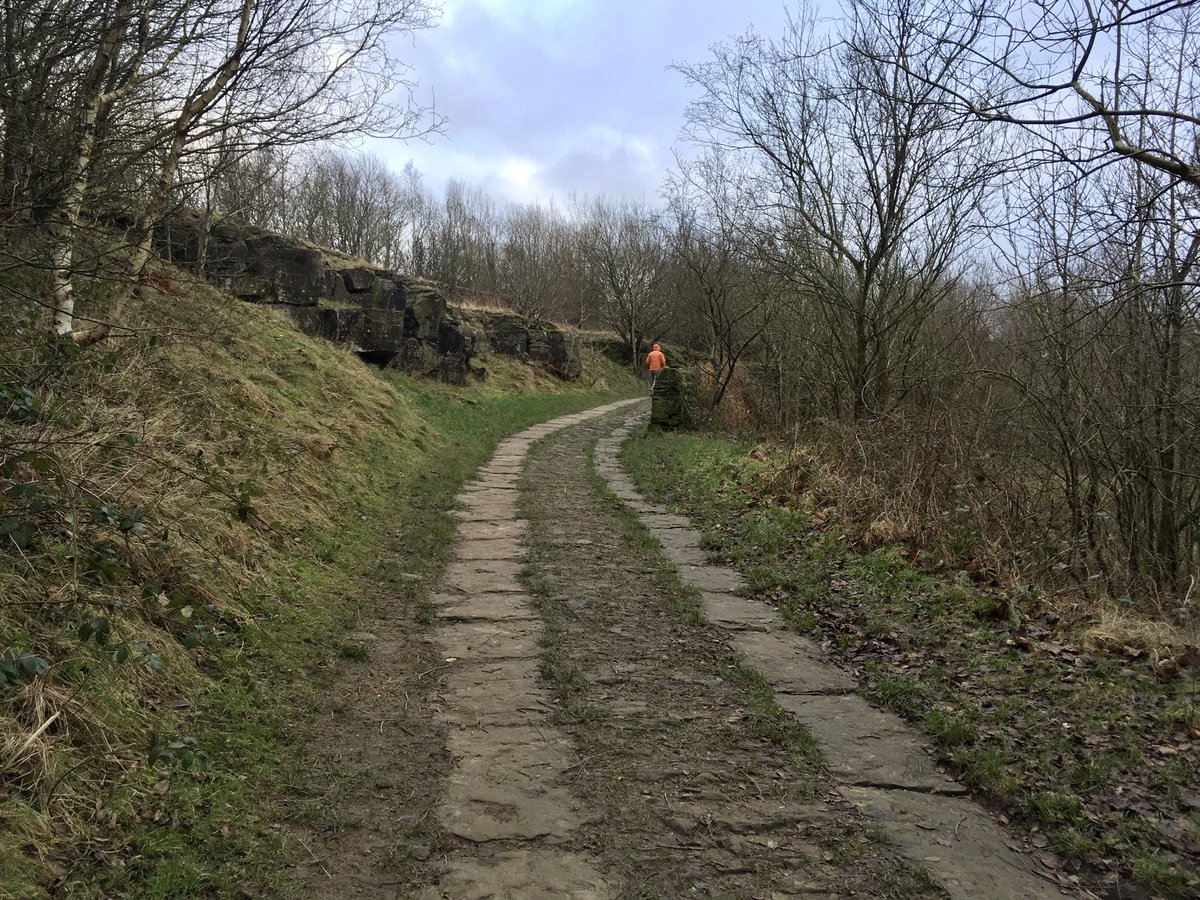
(1081,734)
(190,516)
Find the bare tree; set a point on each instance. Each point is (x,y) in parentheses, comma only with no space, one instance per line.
(713,242)
(626,253)
(535,259)
(460,241)
(128,44)
(351,202)
(1081,76)
(147,84)
(868,184)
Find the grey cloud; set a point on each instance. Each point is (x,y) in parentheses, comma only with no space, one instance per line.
(542,87)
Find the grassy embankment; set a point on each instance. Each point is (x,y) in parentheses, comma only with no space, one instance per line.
(191,521)
(1074,736)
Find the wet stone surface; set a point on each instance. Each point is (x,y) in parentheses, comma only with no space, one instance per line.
(506,801)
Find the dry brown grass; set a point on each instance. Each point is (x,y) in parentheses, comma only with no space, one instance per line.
(1118,632)
(927,483)
(483,303)
(736,411)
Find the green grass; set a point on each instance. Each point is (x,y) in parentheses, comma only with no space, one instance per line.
(355,652)
(262,748)
(1161,877)
(353,474)
(948,729)
(1047,736)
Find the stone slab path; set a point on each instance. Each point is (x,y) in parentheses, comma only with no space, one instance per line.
(608,742)
(878,761)
(699,785)
(506,796)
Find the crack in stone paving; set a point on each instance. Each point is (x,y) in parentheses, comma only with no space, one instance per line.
(506,798)
(879,763)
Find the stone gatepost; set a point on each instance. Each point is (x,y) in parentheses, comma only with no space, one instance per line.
(669,403)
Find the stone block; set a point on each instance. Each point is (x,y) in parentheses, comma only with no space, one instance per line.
(358,279)
(669,407)
(297,271)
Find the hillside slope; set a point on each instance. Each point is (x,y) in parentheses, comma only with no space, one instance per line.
(189,520)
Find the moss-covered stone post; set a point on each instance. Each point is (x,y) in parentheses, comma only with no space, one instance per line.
(668,405)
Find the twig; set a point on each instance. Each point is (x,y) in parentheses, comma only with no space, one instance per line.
(316,859)
(33,737)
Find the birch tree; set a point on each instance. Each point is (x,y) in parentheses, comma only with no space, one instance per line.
(160,80)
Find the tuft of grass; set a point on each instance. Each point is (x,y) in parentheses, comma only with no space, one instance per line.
(1162,878)
(899,692)
(1180,715)
(990,768)
(949,729)
(355,652)
(1056,808)
(21,827)
(769,721)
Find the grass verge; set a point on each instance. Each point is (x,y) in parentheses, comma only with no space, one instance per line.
(193,519)
(1096,754)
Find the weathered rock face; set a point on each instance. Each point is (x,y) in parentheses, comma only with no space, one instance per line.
(532,341)
(389,319)
(248,263)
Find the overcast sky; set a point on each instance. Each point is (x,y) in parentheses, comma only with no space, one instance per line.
(546,97)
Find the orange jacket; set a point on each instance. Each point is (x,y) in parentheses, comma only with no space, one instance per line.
(655,359)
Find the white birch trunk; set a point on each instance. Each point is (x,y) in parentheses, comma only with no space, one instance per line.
(66,224)
(63,254)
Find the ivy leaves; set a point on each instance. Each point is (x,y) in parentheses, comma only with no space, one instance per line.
(17,669)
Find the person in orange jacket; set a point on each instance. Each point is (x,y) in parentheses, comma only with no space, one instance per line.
(655,362)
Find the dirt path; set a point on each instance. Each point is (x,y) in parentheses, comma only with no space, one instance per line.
(363,813)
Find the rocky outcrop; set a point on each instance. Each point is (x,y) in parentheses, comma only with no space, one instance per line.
(387,318)
(532,341)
